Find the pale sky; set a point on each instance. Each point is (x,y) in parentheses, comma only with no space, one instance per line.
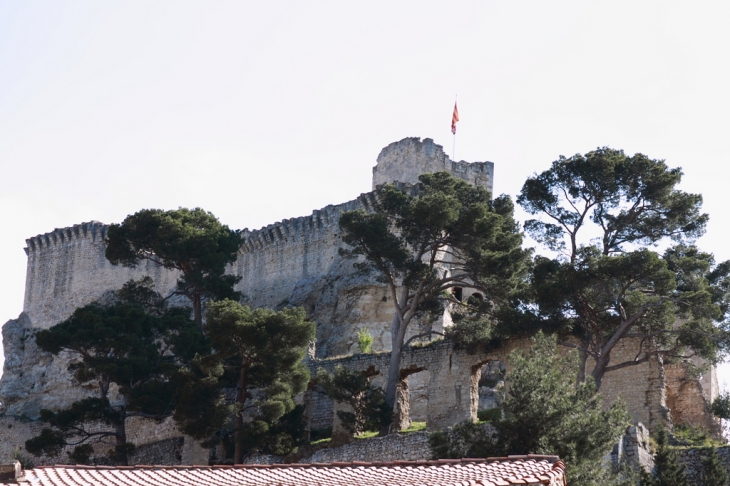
(259,111)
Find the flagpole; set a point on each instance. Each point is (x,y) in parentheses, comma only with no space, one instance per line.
(453,147)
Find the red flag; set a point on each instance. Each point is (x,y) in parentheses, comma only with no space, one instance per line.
(454,119)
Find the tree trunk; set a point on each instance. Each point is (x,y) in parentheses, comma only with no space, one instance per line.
(198,310)
(582,360)
(121,438)
(393,369)
(238,420)
(600,369)
(402,410)
(120,431)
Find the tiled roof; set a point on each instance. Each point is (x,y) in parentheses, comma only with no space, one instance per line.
(512,470)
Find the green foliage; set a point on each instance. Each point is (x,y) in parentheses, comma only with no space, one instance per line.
(259,353)
(364,340)
(714,472)
(276,436)
(26,462)
(464,439)
(489,415)
(191,241)
(123,345)
(614,287)
(411,236)
(688,435)
(415,427)
(369,409)
(320,434)
(544,412)
(668,470)
(721,406)
(82,454)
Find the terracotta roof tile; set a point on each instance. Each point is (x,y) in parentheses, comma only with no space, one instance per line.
(514,470)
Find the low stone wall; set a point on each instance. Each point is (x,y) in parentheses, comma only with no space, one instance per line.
(692,460)
(411,446)
(158,443)
(166,452)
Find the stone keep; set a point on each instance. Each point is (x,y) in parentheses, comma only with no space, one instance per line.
(294,262)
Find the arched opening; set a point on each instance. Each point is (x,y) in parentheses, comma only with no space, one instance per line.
(418,388)
(458,293)
(491,390)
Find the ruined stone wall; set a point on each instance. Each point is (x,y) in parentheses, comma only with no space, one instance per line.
(642,387)
(689,397)
(447,391)
(451,392)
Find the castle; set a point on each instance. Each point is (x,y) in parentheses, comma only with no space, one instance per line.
(296,262)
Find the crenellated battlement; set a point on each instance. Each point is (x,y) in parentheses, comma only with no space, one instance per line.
(305,228)
(92,230)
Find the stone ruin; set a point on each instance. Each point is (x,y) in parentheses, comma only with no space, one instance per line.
(296,262)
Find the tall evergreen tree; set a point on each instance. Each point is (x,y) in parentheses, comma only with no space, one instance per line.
(120,345)
(427,241)
(668,470)
(259,353)
(602,213)
(714,472)
(191,241)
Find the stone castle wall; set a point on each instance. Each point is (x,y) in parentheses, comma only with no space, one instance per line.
(292,262)
(67,269)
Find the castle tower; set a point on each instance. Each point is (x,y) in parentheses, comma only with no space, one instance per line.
(405,160)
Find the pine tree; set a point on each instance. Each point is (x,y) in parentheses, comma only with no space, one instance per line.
(668,470)
(191,241)
(369,410)
(604,213)
(413,236)
(715,473)
(259,354)
(122,347)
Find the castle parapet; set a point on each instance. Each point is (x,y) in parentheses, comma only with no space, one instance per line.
(321,222)
(92,230)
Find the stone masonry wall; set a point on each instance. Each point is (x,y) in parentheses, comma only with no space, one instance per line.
(412,446)
(642,386)
(292,262)
(692,461)
(67,269)
(452,392)
(689,397)
(160,441)
(405,160)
